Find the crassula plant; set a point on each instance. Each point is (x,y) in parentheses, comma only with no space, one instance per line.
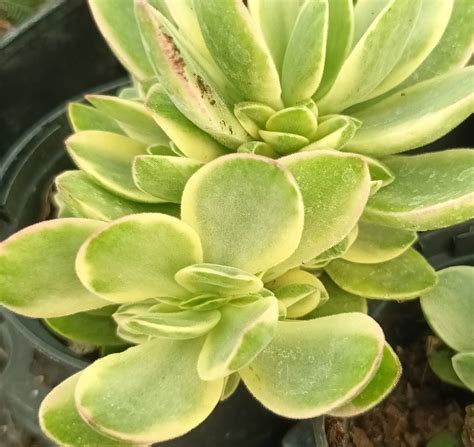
(448,309)
(238,204)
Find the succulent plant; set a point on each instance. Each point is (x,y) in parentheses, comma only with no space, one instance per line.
(237,205)
(448,309)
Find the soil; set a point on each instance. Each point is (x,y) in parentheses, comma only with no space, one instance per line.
(420,407)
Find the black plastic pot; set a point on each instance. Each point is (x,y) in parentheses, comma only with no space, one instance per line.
(54,56)
(34,361)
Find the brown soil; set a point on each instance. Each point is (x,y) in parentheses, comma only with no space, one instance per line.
(420,407)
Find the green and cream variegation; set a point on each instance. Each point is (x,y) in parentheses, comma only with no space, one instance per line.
(238,203)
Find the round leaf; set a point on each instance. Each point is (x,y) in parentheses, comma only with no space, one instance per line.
(404,277)
(37,276)
(149,393)
(463,364)
(313,366)
(136,257)
(247,211)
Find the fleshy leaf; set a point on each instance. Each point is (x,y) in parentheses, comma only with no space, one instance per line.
(136,257)
(133,117)
(373,57)
(239,49)
(276,20)
(463,364)
(429,27)
(165,399)
(380,175)
(284,143)
(37,276)
(449,307)
(306,52)
(339,40)
(85,327)
(295,120)
(190,139)
(108,158)
(339,301)
(231,384)
(90,200)
(404,277)
(185,82)
(379,387)
(253,116)
(334,132)
(414,117)
(160,149)
(218,279)
(455,47)
(430,191)
(180,325)
(333,200)
(232,203)
(440,360)
(84,117)
(163,176)
(258,148)
(313,366)
(241,334)
(116,21)
(376,243)
(300,291)
(61,422)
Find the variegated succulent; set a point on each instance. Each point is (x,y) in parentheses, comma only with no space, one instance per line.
(271,132)
(448,309)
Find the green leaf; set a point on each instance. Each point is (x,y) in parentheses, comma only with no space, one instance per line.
(463,364)
(376,243)
(190,139)
(160,149)
(312,367)
(379,387)
(258,148)
(136,257)
(163,176)
(284,143)
(108,158)
(187,85)
(448,308)
(232,203)
(339,301)
(276,20)
(444,439)
(182,325)
(380,175)
(116,22)
(339,40)
(133,117)
(440,361)
(84,117)
(414,116)
(333,200)
(365,12)
(306,52)
(295,120)
(37,276)
(61,422)
(218,279)
(373,57)
(89,199)
(85,327)
(455,47)
(427,31)
(231,384)
(253,116)
(300,292)
(334,132)
(433,190)
(404,277)
(241,334)
(239,49)
(149,393)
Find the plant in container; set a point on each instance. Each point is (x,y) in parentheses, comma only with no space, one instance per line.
(275,147)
